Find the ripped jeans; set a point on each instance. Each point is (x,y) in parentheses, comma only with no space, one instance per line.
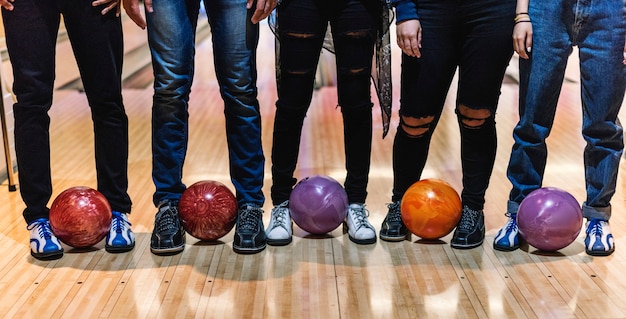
(302,28)
(473,37)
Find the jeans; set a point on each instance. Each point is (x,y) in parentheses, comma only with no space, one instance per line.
(475,37)
(598,28)
(171,36)
(302,27)
(31,35)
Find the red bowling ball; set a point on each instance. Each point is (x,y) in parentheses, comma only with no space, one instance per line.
(80,216)
(208,210)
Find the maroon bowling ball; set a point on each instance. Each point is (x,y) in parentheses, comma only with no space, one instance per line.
(549,218)
(208,210)
(318,204)
(80,216)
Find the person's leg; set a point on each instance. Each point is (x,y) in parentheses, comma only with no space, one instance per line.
(354,33)
(425,82)
(235,40)
(486,49)
(301,35)
(98,46)
(603,82)
(30,31)
(541,78)
(302,31)
(171,36)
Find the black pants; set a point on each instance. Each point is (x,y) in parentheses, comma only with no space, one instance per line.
(475,37)
(302,25)
(31,30)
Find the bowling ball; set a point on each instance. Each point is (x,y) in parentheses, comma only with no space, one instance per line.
(318,204)
(549,218)
(430,208)
(208,210)
(80,216)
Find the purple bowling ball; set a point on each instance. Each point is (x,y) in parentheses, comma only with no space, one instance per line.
(549,219)
(318,204)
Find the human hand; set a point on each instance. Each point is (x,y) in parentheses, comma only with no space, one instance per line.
(263,8)
(409,37)
(109,5)
(523,38)
(134,11)
(7,4)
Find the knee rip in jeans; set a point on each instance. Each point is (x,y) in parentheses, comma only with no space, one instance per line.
(299,35)
(416,127)
(472,118)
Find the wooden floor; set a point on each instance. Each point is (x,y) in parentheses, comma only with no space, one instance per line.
(327,277)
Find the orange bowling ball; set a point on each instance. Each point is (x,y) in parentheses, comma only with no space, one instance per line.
(430,208)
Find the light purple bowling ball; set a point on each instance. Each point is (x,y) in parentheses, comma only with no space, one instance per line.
(318,204)
(549,219)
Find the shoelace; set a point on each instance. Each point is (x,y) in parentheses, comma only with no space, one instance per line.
(44,230)
(359,215)
(119,223)
(511,224)
(167,220)
(595,227)
(468,218)
(394,214)
(278,215)
(248,218)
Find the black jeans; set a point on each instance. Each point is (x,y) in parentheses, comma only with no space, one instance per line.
(302,25)
(31,34)
(474,36)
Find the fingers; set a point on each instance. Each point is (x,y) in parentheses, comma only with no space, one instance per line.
(262,10)
(110,5)
(7,4)
(409,37)
(410,46)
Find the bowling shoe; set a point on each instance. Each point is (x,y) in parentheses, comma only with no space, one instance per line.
(280,228)
(43,244)
(120,237)
(470,231)
(168,235)
(249,231)
(360,230)
(599,239)
(507,238)
(393,229)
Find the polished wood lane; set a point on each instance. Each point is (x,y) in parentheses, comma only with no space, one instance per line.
(313,277)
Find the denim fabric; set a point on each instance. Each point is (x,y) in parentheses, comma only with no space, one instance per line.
(475,38)
(598,28)
(31,34)
(171,35)
(302,25)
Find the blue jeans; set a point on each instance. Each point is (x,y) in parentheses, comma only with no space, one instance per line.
(302,28)
(31,35)
(475,38)
(171,36)
(598,28)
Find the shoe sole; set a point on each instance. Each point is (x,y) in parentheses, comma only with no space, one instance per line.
(599,253)
(119,249)
(465,246)
(167,251)
(279,242)
(248,250)
(47,256)
(505,248)
(368,241)
(395,238)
